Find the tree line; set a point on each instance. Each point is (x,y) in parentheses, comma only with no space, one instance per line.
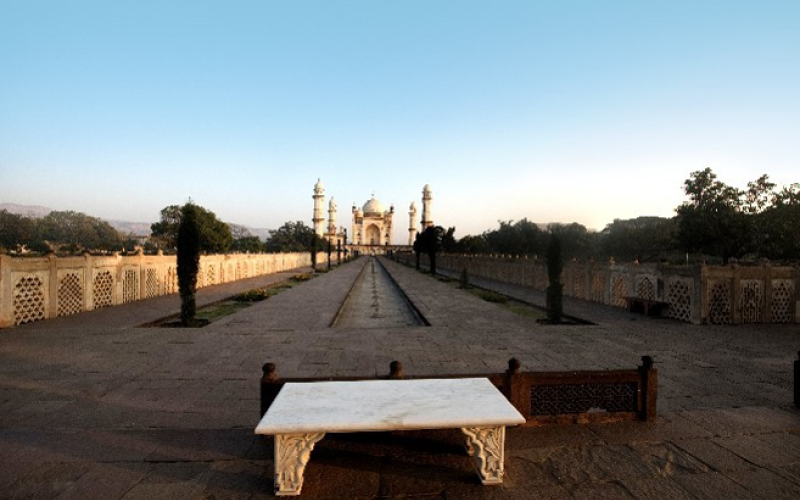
(715,224)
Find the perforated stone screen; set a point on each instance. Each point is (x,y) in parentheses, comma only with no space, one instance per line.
(645,288)
(679,296)
(151,287)
(29,304)
(597,287)
(782,298)
(130,286)
(70,294)
(581,398)
(751,301)
(103,289)
(719,302)
(619,289)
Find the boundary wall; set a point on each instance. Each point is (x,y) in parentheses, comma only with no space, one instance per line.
(38,288)
(732,294)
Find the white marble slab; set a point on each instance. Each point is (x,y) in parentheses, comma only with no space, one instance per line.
(383,405)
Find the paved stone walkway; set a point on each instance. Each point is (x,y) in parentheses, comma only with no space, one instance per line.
(93,406)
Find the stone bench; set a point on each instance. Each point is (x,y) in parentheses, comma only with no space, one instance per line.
(636,304)
(303,413)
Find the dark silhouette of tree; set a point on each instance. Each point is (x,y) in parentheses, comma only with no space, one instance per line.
(575,241)
(713,220)
(247,244)
(16,231)
(290,237)
(645,239)
(429,242)
(472,245)
(76,231)
(189,237)
(215,235)
(519,238)
(449,241)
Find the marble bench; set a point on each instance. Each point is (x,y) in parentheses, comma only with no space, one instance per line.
(303,413)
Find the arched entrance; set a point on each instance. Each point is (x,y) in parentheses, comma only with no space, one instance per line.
(373,235)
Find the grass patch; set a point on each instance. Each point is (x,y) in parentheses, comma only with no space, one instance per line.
(489,295)
(219,310)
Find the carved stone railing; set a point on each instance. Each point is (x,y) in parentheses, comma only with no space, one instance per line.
(732,294)
(541,397)
(38,288)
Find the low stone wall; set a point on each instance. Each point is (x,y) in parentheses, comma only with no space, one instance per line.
(732,294)
(38,288)
(541,397)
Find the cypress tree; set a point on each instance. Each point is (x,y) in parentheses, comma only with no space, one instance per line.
(555,289)
(188,261)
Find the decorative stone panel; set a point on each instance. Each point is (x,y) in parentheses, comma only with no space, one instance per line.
(171,283)
(679,296)
(619,290)
(151,287)
(70,294)
(29,303)
(582,398)
(211,275)
(103,289)
(782,298)
(597,287)
(645,288)
(578,288)
(719,302)
(130,286)
(751,301)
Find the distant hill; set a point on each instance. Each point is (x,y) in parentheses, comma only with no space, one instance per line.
(26,210)
(125,227)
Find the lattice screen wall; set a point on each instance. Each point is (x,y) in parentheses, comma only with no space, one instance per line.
(91,282)
(29,299)
(719,302)
(751,300)
(645,289)
(619,290)
(70,293)
(679,296)
(103,289)
(130,286)
(782,301)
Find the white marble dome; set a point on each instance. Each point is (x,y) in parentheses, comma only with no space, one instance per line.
(373,206)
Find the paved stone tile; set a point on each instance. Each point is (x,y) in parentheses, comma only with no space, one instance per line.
(165,413)
(712,486)
(655,489)
(755,451)
(713,455)
(600,491)
(765,484)
(106,480)
(669,426)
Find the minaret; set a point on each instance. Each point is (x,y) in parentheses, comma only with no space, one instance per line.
(412,223)
(319,200)
(332,218)
(427,218)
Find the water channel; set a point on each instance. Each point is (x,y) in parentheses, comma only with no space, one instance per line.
(375,301)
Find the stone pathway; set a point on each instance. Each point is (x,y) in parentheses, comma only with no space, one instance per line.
(375,301)
(92,406)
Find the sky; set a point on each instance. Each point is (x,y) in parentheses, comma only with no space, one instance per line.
(571,111)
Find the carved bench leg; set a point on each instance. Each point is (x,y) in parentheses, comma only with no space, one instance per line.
(486,446)
(292,452)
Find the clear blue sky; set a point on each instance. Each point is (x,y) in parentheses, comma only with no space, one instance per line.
(556,111)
